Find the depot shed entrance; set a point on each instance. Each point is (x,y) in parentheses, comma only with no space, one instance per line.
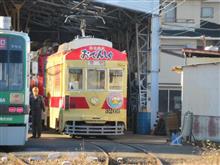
(126,26)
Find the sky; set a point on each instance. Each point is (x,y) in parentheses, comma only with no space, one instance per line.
(139,5)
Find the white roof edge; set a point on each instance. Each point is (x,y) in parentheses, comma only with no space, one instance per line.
(186,37)
(208,63)
(22,34)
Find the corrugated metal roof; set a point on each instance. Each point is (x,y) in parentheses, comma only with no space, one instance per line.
(208,29)
(201,53)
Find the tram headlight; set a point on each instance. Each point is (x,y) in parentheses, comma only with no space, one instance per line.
(16,98)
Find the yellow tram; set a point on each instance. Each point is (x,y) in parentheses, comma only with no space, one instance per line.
(86,85)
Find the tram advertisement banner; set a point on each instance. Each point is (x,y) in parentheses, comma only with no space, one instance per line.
(101,53)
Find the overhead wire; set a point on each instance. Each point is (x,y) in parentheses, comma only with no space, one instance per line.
(179,4)
(159,8)
(167,5)
(217,44)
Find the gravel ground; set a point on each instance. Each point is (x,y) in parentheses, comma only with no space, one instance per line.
(209,158)
(55,159)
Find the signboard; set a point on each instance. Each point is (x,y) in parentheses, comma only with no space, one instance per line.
(96,54)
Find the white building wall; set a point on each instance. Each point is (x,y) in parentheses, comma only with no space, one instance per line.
(190,10)
(203,60)
(188,14)
(168,43)
(201,89)
(166,75)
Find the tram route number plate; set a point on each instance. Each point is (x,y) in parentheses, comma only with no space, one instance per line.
(110,111)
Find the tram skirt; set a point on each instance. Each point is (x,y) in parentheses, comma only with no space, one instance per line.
(143,122)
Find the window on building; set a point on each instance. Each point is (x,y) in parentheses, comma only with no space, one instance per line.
(169,100)
(163,100)
(207,12)
(175,101)
(170,12)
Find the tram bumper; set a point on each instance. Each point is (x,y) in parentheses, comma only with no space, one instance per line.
(13,135)
(90,129)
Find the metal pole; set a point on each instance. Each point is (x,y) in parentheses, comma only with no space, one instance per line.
(138,68)
(155,35)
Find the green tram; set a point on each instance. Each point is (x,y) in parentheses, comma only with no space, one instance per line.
(14,87)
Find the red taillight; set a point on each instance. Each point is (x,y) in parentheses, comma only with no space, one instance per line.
(20,109)
(12,109)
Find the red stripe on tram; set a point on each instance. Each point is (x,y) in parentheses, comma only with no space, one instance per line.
(78,103)
(75,102)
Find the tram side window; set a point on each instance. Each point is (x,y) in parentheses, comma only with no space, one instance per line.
(3,70)
(75,79)
(15,70)
(96,79)
(115,79)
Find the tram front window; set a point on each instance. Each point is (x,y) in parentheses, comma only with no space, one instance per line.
(16,78)
(115,79)
(75,79)
(11,70)
(96,79)
(3,70)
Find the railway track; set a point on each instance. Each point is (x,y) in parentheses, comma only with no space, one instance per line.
(96,151)
(119,153)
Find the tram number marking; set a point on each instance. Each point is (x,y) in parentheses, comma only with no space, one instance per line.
(110,111)
(6,119)
(2,100)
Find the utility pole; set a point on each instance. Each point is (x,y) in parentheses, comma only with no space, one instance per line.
(155,44)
